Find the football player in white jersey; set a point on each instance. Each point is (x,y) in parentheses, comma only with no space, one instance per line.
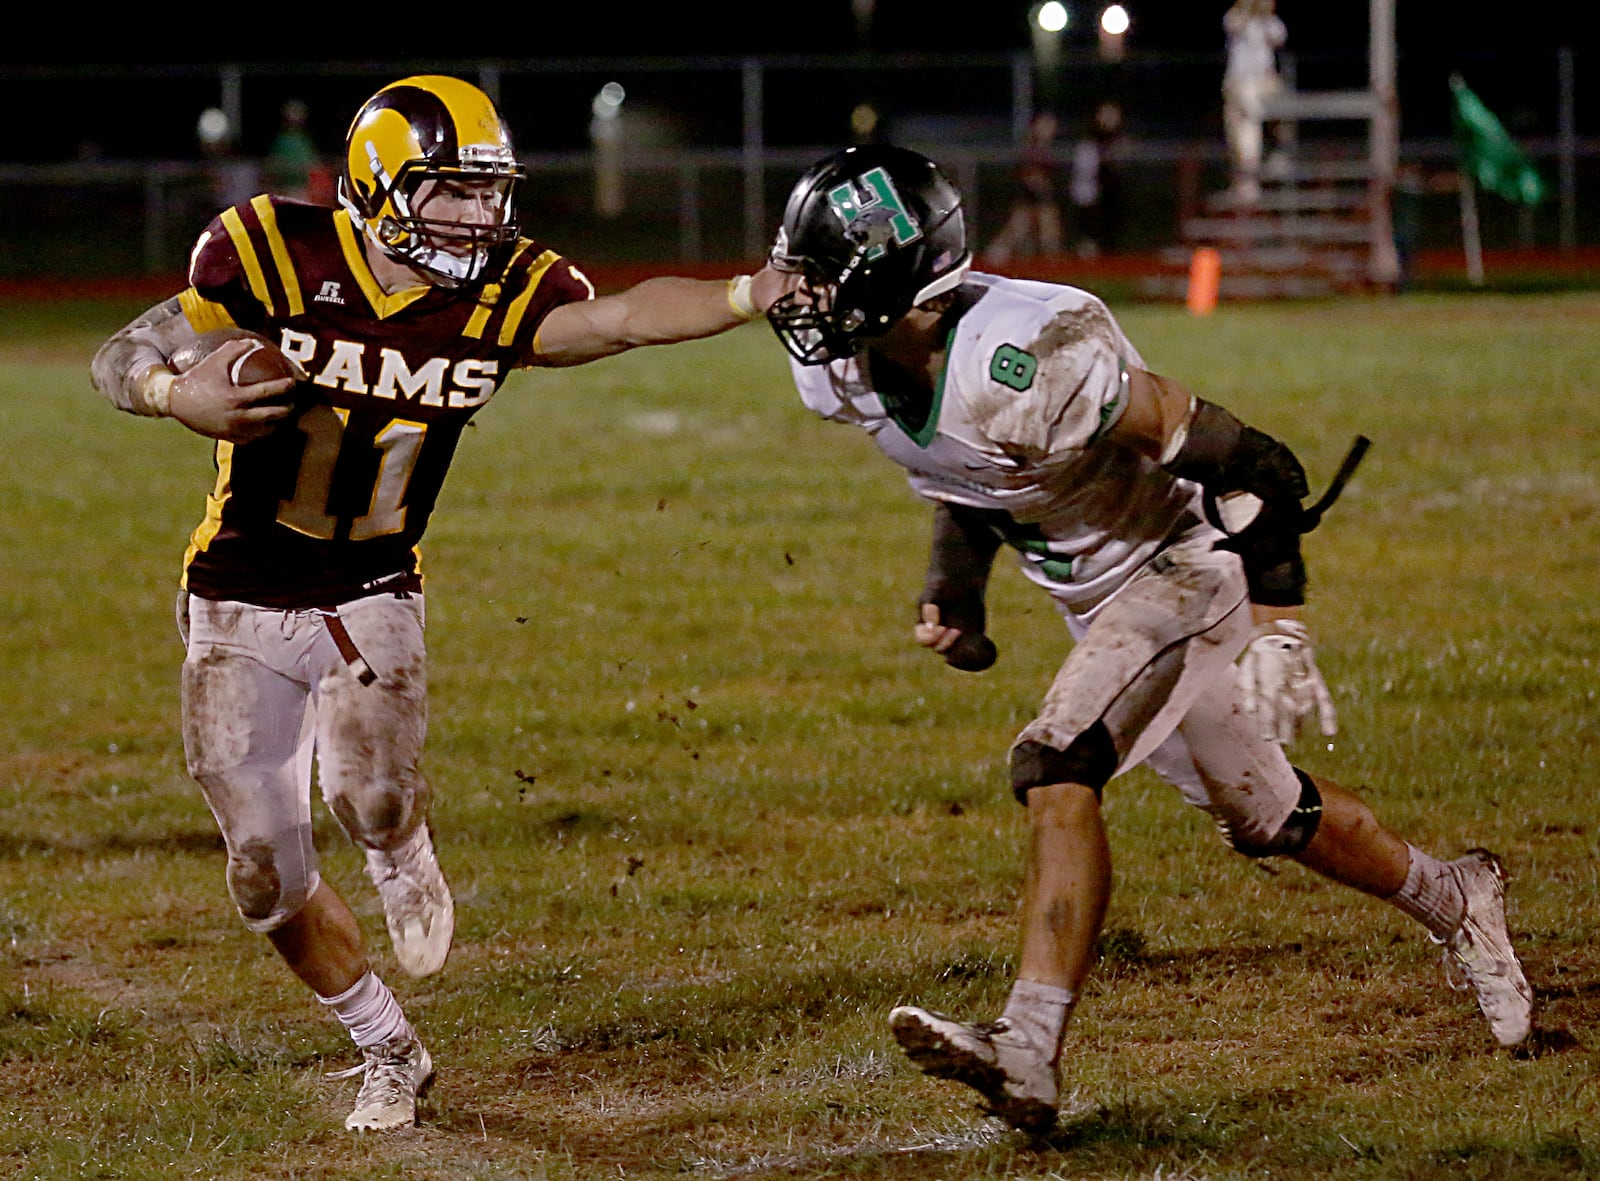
(1168,534)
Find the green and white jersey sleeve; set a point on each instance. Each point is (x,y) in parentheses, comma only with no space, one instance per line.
(1036,375)
(1042,369)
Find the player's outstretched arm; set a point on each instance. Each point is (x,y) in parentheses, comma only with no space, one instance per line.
(131,369)
(665,310)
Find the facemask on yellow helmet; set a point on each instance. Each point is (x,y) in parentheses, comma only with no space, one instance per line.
(414,140)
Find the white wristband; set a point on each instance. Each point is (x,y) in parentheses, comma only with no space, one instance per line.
(739,298)
(158,393)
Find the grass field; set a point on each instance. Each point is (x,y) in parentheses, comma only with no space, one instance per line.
(709,814)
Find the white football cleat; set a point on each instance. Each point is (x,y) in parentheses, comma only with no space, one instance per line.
(393,1074)
(1016,1078)
(417,907)
(1480,950)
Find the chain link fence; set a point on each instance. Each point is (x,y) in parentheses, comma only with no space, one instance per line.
(107,176)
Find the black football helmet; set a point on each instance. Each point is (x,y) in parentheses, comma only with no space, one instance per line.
(430,128)
(875,230)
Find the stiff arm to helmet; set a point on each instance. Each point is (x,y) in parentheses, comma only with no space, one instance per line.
(875,230)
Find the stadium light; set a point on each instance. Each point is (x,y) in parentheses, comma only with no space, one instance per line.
(214,128)
(608,103)
(606,133)
(1114,23)
(1051,17)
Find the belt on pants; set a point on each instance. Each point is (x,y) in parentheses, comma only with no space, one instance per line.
(347,647)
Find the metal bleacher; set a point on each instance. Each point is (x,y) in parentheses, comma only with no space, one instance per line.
(1311,229)
(1320,223)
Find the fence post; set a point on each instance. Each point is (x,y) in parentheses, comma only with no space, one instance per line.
(1383,147)
(1569,150)
(155,221)
(755,201)
(688,211)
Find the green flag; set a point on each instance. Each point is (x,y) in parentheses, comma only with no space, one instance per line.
(1488,154)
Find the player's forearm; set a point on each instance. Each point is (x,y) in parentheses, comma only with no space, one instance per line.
(663,310)
(131,369)
(670,309)
(1224,456)
(962,552)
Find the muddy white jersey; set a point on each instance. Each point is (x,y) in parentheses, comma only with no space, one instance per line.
(1036,375)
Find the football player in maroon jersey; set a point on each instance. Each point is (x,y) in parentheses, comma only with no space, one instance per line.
(302,609)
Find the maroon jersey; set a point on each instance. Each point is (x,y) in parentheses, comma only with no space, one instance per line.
(332,504)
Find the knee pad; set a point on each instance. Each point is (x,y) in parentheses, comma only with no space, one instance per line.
(1293,835)
(1091,760)
(379,815)
(271,881)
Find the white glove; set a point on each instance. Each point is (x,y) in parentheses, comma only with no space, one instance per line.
(1279,681)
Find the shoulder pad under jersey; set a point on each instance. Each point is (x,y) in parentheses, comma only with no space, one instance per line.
(1044,369)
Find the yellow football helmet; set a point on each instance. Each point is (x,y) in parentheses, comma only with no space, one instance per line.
(421,129)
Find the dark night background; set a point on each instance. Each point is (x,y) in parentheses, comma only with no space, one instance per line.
(106,95)
(130,86)
(165,34)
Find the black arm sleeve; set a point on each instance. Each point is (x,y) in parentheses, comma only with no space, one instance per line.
(959,561)
(1224,456)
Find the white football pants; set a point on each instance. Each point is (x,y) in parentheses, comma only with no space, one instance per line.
(264,691)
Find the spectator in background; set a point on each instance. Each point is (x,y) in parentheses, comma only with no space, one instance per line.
(1093,185)
(292,161)
(1255,34)
(1034,227)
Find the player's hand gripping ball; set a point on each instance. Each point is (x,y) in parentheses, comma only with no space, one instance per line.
(233,385)
(260,361)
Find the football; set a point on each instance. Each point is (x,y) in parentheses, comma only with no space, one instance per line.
(264,361)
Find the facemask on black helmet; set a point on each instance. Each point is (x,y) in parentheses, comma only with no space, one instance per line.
(875,231)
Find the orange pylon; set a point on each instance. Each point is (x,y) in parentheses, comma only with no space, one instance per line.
(1205,276)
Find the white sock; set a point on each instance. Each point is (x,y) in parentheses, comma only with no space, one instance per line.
(369,1011)
(1040,1012)
(1431,894)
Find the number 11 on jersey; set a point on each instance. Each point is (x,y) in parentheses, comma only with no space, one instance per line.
(399,442)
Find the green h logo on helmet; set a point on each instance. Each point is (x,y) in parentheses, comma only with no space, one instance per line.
(848,205)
